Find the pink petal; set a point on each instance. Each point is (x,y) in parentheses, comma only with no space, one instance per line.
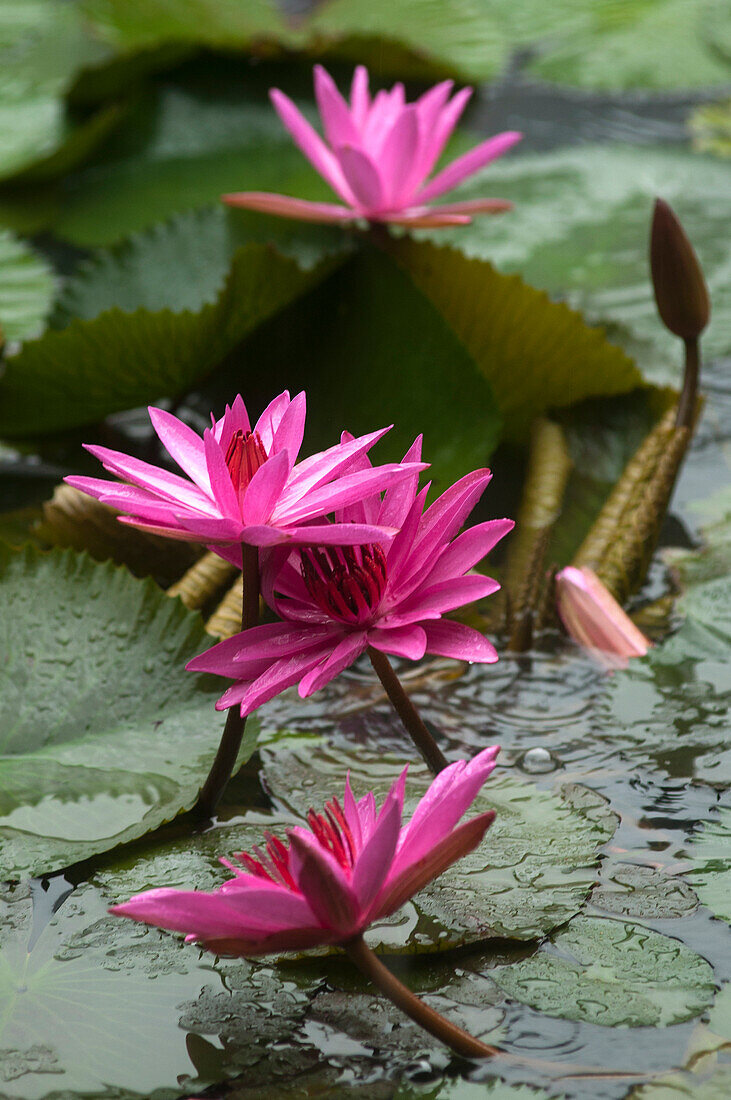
(474,206)
(396,159)
(450,639)
(399,498)
(268,642)
(445,596)
(346,490)
(468,164)
(284,206)
(352,815)
(398,554)
(167,531)
(359,98)
(311,534)
(170,486)
(595,620)
(363,178)
(334,112)
(430,220)
(218,472)
(235,419)
(182,444)
(266,907)
(265,489)
(323,883)
(447,799)
(290,431)
(415,876)
(401,641)
(139,503)
(374,860)
(469,548)
(190,911)
(280,675)
(342,656)
(271,418)
(441,130)
(311,144)
(325,465)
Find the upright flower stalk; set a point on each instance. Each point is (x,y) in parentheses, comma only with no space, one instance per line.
(336,603)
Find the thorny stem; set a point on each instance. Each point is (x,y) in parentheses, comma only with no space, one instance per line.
(689,395)
(233,731)
(461,1042)
(454,1037)
(407,712)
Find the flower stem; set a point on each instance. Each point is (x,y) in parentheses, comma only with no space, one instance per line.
(454,1037)
(407,712)
(689,396)
(233,731)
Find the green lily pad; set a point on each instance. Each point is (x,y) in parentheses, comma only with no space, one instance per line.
(642,893)
(609,972)
(118,360)
(26,289)
(669,707)
(95,1005)
(531,873)
(710,851)
(710,126)
(536,354)
(686,1086)
(580,229)
(105,735)
(140,24)
(457,1089)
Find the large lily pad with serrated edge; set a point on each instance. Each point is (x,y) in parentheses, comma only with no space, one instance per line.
(643,893)
(536,354)
(531,873)
(605,971)
(120,360)
(26,289)
(580,228)
(96,1005)
(103,734)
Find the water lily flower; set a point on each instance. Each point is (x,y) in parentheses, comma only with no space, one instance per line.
(327,884)
(595,620)
(243,484)
(336,602)
(378,153)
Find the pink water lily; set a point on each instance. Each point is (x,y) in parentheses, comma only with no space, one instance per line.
(353,866)
(334,602)
(244,485)
(595,620)
(378,154)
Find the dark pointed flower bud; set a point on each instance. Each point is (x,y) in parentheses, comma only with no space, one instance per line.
(677,278)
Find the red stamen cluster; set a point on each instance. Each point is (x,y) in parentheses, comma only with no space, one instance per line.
(347,582)
(333,833)
(244,455)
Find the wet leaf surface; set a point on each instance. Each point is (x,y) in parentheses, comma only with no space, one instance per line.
(609,972)
(643,893)
(93,759)
(710,875)
(27,287)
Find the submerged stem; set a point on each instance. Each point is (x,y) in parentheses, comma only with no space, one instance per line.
(233,731)
(454,1037)
(407,712)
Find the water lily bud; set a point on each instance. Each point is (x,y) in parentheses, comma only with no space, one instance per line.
(677,278)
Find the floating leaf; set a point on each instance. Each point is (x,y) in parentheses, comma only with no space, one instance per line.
(96,1004)
(710,852)
(531,873)
(684,1086)
(642,893)
(405,364)
(26,289)
(141,24)
(106,735)
(609,972)
(536,354)
(579,227)
(465,37)
(118,360)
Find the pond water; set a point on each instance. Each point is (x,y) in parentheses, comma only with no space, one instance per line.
(648,741)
